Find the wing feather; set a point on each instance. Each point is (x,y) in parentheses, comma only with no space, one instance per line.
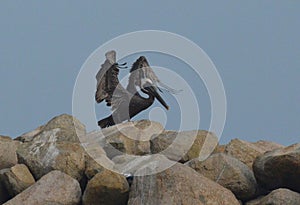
(108,86)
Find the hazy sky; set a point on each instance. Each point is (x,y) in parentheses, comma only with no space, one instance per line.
(255,46)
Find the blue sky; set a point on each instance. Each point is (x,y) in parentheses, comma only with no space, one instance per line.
(255,46)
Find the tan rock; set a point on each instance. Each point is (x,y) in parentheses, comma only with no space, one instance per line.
(8,156)
(28,136)
(65,127)
(184,146)
(41,157)
(17,179)
(278,197)
(53,188)
(132,137)
(178,185)
(279,168)
(228,172)
(107,188)
(246,152)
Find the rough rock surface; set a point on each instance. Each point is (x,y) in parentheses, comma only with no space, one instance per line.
(8,156)
(184,146)
(42,157)
(178,185)
(228,172)
(53,188)
(136,165)
(278,197)
(65,127)
(107,188)
(153,172)
(279,168)
(246,152)
(132,137)
(17,179)
(4,196)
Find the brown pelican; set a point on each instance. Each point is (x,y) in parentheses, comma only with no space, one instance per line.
(126,103)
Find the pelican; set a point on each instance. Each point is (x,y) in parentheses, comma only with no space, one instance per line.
(126,103)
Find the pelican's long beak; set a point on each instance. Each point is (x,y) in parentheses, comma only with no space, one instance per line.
(154,92)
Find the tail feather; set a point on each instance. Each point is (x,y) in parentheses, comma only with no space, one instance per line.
(106,122)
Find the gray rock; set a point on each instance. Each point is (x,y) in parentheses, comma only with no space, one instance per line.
(278,197)
(184,146)
(228,172)
(178,185)
(17,179)
(8,156)
(279,168)
(54,188)
(107,188)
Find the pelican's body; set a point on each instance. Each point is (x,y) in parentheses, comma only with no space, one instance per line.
(126,103)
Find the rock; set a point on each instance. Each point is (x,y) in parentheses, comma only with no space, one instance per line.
(178,185)
(17,179)
(8,156)
(96,160)
(246,152)
(220,149)
(279,168)
(53,188)
(228,172)
(28,136)
(65,128)
(184,146)
(43,156)
(134,165)
(107,188)
(278,197)
(132,137)
(92,167)
(267,146)
(4,196)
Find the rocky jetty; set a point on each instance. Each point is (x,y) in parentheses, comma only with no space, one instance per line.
(142,163)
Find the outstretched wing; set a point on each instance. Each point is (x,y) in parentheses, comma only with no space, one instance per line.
(108,86)
(141,72)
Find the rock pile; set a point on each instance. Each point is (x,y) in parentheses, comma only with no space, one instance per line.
(141,163)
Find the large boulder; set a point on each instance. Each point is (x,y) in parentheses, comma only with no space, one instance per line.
(107,188)
(43,156)
(184,146)
(132,137)
(54,146)
(279,168)
(246,152)
(54,188)
(278,197)
(64,127)
(8,156)
(228,172)
(17,179)
(178,185)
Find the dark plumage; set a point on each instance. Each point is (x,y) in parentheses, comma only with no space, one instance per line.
(126,103)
